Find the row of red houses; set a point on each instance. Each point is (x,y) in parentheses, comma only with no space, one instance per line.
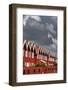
(35,56)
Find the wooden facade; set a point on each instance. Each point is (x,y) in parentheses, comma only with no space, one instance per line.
(36,60)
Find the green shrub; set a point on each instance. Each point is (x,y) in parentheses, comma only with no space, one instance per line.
(40,65)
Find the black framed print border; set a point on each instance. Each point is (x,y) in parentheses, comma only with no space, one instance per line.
(37,66)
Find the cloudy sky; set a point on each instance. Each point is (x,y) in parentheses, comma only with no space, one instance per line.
(42,30)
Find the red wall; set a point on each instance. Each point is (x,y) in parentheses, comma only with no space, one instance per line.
(39,70)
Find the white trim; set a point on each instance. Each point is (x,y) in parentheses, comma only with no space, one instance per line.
(43,77)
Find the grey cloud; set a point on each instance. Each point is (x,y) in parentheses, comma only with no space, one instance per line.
(50,27)
(54,19)
(38,32)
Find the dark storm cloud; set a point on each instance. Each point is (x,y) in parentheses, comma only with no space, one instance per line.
(42,30)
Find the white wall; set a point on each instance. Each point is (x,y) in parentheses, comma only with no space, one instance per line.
(4,44)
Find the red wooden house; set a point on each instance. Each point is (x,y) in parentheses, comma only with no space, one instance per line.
(36,60)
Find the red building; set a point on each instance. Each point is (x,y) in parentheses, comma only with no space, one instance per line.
(36,60)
